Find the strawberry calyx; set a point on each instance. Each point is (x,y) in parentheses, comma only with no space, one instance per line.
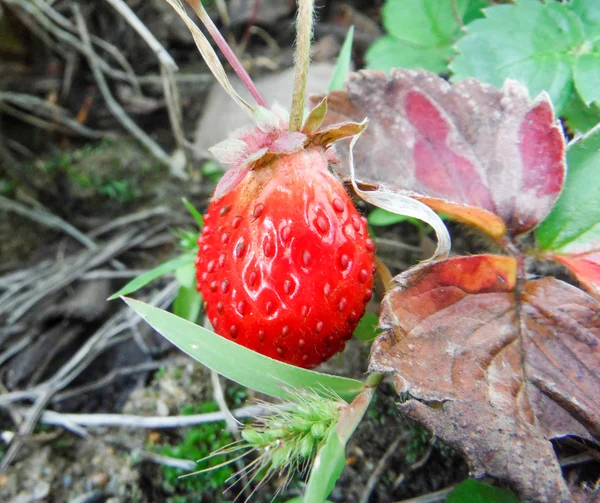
(253,146)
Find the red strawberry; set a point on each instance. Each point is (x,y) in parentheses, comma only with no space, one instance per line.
(285,263)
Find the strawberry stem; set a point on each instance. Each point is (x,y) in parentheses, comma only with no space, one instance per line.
(233,60)
(304,28)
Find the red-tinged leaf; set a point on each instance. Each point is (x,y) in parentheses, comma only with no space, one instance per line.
(571,233)
(492,158)
(586,268)
(494,365)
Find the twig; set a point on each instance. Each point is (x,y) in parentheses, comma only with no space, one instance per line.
(106,380)
(48,219)
(219,396)
(110,274)
(59,26)
(419,463)
(129,219)
(435,497)
(112,104)
(148,422)
(377,472)
(13,349)
(161,53)
(60,124)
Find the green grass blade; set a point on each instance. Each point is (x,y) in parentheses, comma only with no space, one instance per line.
(342,66)
(238,363)
(142,280)
(327,468)
(194,212)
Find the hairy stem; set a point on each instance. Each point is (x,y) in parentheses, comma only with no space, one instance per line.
(233,60)
(304,28)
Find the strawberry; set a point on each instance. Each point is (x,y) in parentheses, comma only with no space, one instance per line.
(285,263)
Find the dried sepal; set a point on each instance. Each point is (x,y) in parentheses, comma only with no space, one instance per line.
(210,56)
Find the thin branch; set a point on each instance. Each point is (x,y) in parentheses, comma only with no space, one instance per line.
(435,497)
(112,104)
(378,471)
(48,219)
(148,422)
(161,53)
(219,396)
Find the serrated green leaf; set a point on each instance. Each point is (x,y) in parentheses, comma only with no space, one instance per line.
(540,49)
(388,52)
(575,218)
(194,212)
(589,13)
(421,33)
(238,363)
(426,23)
(587,77)
(366,330)
(473,491)
(326,469)
(578,117)
(342,66)
(165,268)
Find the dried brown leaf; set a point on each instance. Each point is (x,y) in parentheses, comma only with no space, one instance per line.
(495,366)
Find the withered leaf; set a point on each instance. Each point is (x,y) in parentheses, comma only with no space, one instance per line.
(494,365)
(492,158)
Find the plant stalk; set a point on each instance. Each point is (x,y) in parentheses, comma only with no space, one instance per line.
(304,29)
(233,60)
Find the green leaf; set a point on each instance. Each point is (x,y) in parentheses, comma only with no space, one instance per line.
(330,460)
(366,330)
(541,48)
(142,280)
(587,76)
(421,33)
(238,363)
(188,303)
(473,491)
(342,66)
(194,212)
(575,218)
(578,117)
(327,468)
(388,52)
(380,218)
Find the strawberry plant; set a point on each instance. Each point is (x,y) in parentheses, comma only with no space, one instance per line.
(494,42)
(488,352)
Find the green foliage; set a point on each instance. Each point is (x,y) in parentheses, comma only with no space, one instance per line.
(366,330)
(575,218)
(381,218)
(101,169)
(166,267)
(212,171)
(238,363)
(578,117)
(194,212)
(197,444)
(342,66)
(419,441)
(188,303)
(421,33)
(473,491)
(551,46)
